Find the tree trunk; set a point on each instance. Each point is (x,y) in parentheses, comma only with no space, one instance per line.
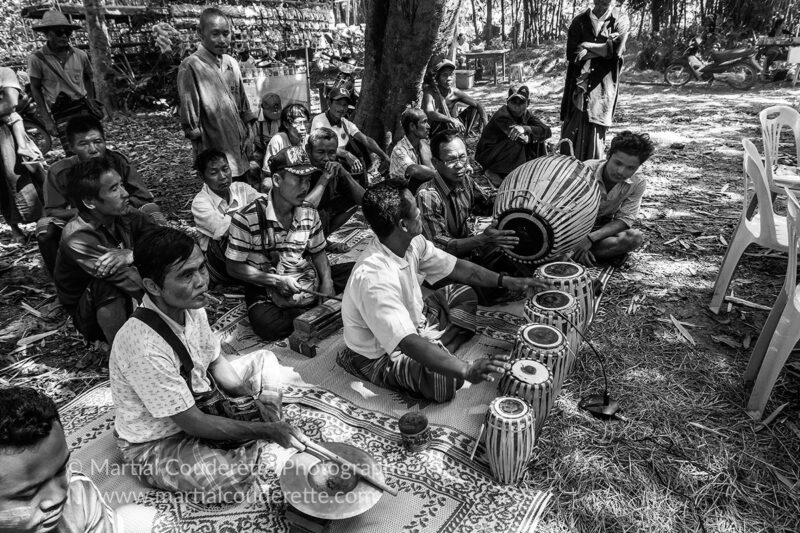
(99,54)
(475,19)
(503,19)
(487,29)
(655,15)
(401,38)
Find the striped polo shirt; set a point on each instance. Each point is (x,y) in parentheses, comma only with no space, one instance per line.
(292,245)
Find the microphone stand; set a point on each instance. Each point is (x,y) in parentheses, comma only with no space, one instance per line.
(600,406)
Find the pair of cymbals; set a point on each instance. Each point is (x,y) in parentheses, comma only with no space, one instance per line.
(326,489)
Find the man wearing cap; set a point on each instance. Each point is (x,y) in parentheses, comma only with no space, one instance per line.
(512,137)
(411,156)
(277,248)
(215,112)
(60,74)
(439,101)
(339,101)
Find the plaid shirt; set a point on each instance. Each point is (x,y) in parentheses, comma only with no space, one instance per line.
(445,211)
(291,245)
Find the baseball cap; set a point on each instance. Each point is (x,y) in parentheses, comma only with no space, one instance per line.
(518,91)
(444,63)
(294,159)
(339,92)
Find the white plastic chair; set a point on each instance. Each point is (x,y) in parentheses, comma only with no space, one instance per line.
(773,121)
(780,332)
(765,228)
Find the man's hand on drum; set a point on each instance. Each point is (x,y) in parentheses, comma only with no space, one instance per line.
(482,369)
(499,237)
(529,285)
(582,253)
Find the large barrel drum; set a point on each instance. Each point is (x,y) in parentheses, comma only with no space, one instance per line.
(551,203)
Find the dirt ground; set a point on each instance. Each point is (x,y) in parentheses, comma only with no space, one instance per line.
(685,457)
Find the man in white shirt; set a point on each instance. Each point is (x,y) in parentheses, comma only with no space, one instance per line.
(334,118)
(411,156)
(389,330)
(213,207)
(167,374)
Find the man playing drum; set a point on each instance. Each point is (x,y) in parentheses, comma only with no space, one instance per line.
(395,339)
(447,201)
(621,192)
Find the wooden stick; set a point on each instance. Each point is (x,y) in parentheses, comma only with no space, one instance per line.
(324,453)
(317,293)
(746,303)
(477,442)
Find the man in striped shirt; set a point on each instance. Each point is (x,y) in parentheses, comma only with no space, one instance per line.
(277,248)
(447,202)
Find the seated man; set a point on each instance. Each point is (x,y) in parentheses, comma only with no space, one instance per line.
(178,401)
(213,207)
(38,491)
(512,137)
(335,194)
(334,118)
(87,141)
(387,326)
(447,202)
(621,192)
(277,248)
(411,156)
(439,101)
(94,275)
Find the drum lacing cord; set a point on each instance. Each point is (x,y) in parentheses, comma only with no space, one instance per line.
(524,194)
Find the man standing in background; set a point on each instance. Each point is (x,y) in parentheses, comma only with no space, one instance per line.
(214,110)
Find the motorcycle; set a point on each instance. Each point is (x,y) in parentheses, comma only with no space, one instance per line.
(737,67)
(346,68)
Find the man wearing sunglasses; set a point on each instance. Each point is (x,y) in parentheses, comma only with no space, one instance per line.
(60,74)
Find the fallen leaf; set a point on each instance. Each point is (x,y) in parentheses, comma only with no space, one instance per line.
(724,188)
(686,335)
(37,337)
(726,339)
(723,241)
(746,341)
(771,417)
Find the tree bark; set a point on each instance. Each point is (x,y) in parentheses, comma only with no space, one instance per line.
(99,51)
(401,38)
(487,29)
(475,19)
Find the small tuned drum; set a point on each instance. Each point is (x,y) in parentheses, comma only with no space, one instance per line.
(562,311)
(551,203)
(537,340)
(510,437)
(575,280)
(532,382)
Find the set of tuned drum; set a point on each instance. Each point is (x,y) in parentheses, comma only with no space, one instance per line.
(543,355)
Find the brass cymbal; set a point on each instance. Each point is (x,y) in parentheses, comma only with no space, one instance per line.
(326,490)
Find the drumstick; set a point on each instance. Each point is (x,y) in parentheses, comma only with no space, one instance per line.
(477,442)
(315,449)
(321,295)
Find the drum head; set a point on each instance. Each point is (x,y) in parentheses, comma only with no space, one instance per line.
(542,336)
(562,269)
(530,371)
(508,408)
(553,300)
(535,234)
(326,490)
